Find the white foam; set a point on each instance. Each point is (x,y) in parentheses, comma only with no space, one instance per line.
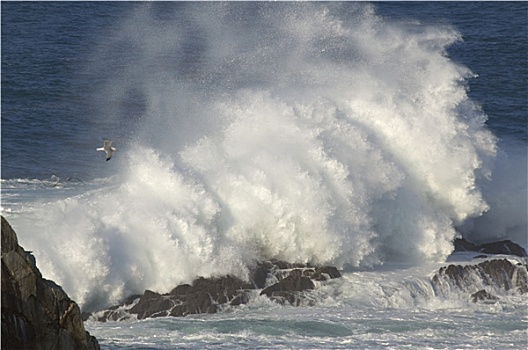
(297,136)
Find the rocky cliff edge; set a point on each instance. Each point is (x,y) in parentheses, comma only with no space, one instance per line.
(36,313)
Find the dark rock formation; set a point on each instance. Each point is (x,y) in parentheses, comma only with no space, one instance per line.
(498,274)
(36,313)
(277,270)
(482,295)
(287,288)
(283,282)
(506,247)
(261,273)
(114,313)
(289,283)
(203,296)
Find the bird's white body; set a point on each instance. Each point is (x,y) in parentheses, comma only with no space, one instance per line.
(108,149)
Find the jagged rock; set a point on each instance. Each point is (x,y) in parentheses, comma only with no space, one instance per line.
(240,299)
(461,245)
(276,269)
(36,313)
(295,282)
(326,272)
(203,296)
(261,273)
(152,304)
(292,280)
(285,289)
(115,313)
(208,295)
(498,273)
(505,247)
(482,295)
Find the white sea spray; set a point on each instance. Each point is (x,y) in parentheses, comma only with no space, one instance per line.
(289,133)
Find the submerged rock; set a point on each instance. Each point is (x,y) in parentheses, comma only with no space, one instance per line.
(36,313)
(282,282)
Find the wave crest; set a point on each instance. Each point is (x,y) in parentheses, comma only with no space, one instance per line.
(302,132)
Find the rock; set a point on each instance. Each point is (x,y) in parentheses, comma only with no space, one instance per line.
(295,282)
(326,272)
(203,296)
(461,245)
(261,273)
(482,295)
(115,313)
(287,288)
(36,313)
(498,273)
(505,247)
(276,269)
(85,316)
(281,281)
(152,304)
(240,299)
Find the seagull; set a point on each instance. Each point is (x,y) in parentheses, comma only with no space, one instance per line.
(109,150)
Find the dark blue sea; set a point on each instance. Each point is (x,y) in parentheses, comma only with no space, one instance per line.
(361,135)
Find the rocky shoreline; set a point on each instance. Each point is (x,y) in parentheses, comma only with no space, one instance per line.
(280,281)
(291,284)
(37,313)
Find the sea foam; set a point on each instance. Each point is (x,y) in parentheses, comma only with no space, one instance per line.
(304,132)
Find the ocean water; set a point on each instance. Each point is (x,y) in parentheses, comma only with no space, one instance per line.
(364,136)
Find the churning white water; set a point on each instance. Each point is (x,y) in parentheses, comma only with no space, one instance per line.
(310,133)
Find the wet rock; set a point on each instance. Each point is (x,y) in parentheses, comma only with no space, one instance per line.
(461,245)
(286,290)
(482,295)
(152,304)
(295,282)
(505,247)
(326,272)
(36,313)
(498,273)
(115,313)
(240,299)
(282,281)
(288,283)
(278,270)
(205,295)
(261,273)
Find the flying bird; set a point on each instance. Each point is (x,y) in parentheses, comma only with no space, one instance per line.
(108,149)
